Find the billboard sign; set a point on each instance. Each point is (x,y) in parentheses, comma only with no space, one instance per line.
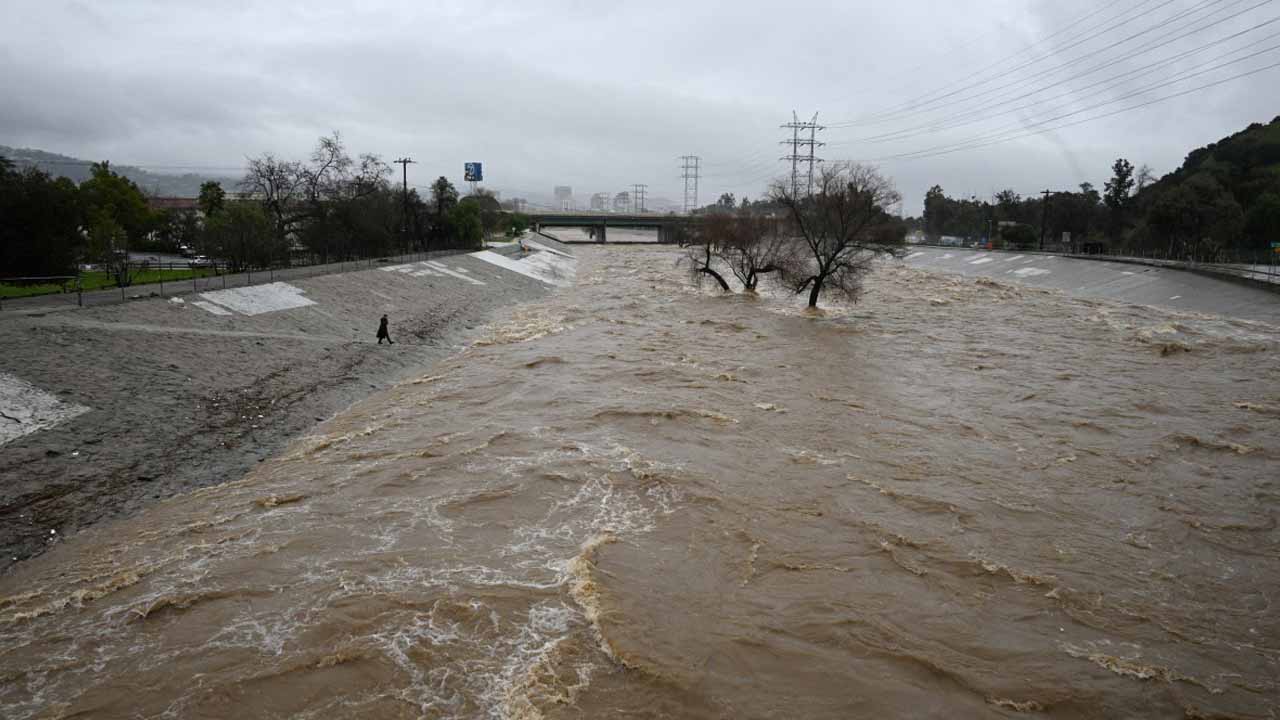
(473,172)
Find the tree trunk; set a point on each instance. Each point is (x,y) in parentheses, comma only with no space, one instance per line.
(814,291)
(708,271)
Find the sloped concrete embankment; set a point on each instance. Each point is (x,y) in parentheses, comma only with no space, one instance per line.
(1124,282)
(108,408)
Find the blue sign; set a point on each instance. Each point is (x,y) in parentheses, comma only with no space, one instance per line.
(473,172)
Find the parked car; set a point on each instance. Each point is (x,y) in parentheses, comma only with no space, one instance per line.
(200,261)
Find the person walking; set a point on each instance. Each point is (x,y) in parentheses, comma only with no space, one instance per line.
(382,332)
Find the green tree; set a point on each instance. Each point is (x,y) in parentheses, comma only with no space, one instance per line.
(241,234)
(108,245)
(443,196)
(1262,223)
(212,198)
(1019,237)
(1117,197)
(1198,219)
(39,223)
(107,196)
(465,228)
(937,212)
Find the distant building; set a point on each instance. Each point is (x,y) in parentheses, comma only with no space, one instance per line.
(519,205)
(622,202)
(177,204)
(600,202)
(564,197)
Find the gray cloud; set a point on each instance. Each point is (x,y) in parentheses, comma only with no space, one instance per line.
(599,96)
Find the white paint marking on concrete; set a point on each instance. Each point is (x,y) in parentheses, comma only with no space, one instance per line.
(25,408)
(441,268)
(388,268)
(947,256)
(259,299)
(544,267)
(980,261)
(216,310)
(1125,272)
(1015,257)
(1175,297)
(177,301)
(1030,272)
(914,255)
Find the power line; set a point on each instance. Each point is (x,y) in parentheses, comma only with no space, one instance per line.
(976,143)
(913,105)
(983,114)
(1083,57)
(986,37)
(1095,68)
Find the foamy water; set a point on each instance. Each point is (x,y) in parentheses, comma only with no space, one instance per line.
(958,499)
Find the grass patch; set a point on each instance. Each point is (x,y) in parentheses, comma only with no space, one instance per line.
(98,280)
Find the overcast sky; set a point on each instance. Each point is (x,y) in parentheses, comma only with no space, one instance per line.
(602,95)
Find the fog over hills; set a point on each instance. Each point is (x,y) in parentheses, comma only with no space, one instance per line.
(77,169)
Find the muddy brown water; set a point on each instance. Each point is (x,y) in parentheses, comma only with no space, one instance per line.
(636,499)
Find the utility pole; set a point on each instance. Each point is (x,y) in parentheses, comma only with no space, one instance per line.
(1044,216)
(796,142)
(691,163)
(404,226)
(637,197)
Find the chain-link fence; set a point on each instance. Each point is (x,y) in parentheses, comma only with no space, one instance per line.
(205,278)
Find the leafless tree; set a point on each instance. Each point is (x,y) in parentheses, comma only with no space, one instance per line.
(703,251)
(1146,176)
(842,228)
(754,245)
(278,185)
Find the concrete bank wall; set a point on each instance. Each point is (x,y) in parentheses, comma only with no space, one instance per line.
(1125,282)
(107,408)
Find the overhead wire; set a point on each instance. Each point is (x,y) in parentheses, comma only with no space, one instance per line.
(917,105)
(1116,61)
(986,113)
(988,141)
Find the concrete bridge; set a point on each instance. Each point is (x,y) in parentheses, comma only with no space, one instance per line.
(668,226)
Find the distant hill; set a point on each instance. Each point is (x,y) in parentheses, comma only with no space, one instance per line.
(1246,165)
(153,183)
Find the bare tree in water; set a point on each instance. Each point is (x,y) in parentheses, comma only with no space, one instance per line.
(842,228)
(754,245)
(703,251)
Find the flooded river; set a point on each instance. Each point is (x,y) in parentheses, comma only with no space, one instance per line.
(959,498)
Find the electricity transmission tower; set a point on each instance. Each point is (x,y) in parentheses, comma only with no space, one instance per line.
(797,142)
(637,197)
(690,168)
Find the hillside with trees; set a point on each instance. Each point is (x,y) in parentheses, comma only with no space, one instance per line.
(77,170)
(1221,205)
